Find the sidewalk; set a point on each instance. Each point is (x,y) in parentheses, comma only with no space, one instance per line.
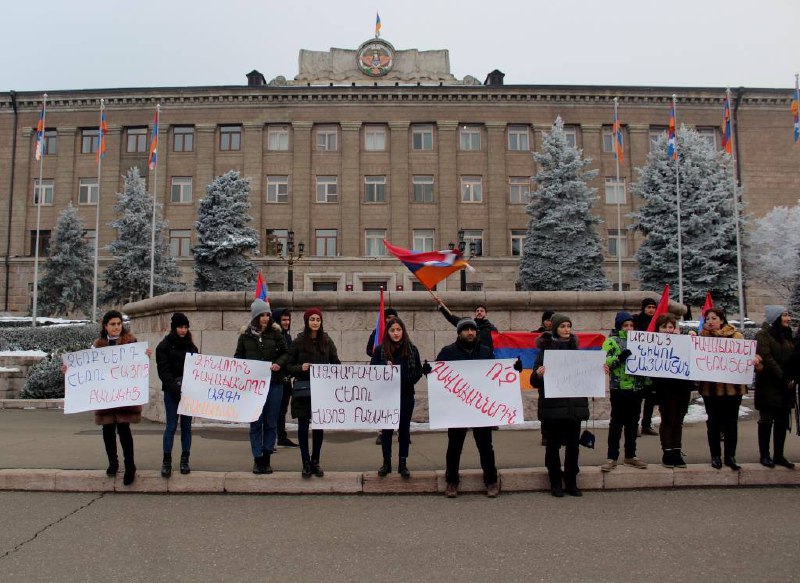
(44,449)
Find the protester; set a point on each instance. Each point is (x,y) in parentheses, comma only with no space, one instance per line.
(468,347)
(774,398)
(396,348)
(547,323)
(485,327)
(312,346)
(561,416)
(673,396)
(626,396)
(262,340)
(284,319)
(170,357)
(640,322)
(388,313)
(721,400)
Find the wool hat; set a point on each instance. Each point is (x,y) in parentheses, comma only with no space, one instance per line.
(465,323)
(621,318)
(547,315)
(559,319)
(649,302)
(772,313)
(178,319)
(390,312)
(259,307)
(310,312)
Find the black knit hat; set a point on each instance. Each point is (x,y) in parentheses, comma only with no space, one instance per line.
(546,315)
(178,319)
(648,302)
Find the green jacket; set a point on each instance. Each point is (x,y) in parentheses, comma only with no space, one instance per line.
(618,378)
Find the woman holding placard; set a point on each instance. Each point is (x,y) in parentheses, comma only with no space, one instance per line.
(396,348)
(721,400)
(312,346)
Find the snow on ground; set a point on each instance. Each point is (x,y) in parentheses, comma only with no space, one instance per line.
(42,321)
(22,353)
(6,369)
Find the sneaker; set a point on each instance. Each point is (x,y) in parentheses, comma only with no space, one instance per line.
(451,491)
(668,459)
(608,466)
(286,442)
(306,470)
(649,431)
(635,462)
(679,461)
(492,490)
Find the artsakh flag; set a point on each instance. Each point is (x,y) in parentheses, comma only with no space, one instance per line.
(662,308)
(38,151)
(103,130)
(523,345)
(154,144)
(726,126)
(380,325)
(377,25)
(429,267)
(796,109)
(672,140)
(616,130)
(709,303)
(261,288)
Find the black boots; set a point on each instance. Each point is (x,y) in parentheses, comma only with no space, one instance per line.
(779,436)
(185,469)
(402,469)
(316,470)
(764,430)
(260,464)
(113,466)
(716,462)
(672,458)
(385,469)
(166,466)
(306,469)
(266,468)
(130,472)
(730,461)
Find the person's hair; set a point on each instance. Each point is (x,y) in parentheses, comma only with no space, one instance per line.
(322,338)
(719,312)
(779,331)
(485,309)
(388,344)
(254,322)
(664,319)
(107,317)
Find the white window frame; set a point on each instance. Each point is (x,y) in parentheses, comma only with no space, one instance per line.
(471,189)
(277,189)
(422,137)
(375,189)
(612,189)
(326,236)
(90,238)
(423,240)
(275,237)
(183,135)
(618,239)
(182,186)
(230,138)
(48,187)
(327,189)
(475,235)
(373,243)
(517,134)
(608,140)
(90,141)
(88,191)
(135,140)
(422,184)
(519,190)
(374,138)
(278,138)
(654,133)
(327,138)
(469,138)
(518,241)
(571,134)
(180,242)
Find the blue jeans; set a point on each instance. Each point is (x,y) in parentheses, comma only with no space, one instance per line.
(171,407)
(264,431)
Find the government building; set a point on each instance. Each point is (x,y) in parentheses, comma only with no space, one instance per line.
(363,145)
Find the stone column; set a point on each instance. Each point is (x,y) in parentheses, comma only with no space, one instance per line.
(64,172)
(302,191)
(447,190)
(205,148)
(110,184)
(350,190)
(496,192)
(252,167)
(398,232)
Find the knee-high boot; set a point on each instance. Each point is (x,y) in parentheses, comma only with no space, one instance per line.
(764,430)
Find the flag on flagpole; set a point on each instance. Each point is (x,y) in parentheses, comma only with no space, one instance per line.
(672,140)
(154,143)
(726,126)
(102,131)
(380,325)
(619,150)
(709,303)
(429,267)
(261,288)
(377,25)
(796,108)
(662,308)
(39,148)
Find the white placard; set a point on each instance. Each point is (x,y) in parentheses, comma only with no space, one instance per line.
(574,373)
(355,396)
(474,393)
(659,355)
(104,378)
(223,388)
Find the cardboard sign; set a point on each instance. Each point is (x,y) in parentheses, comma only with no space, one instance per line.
(659,355)
(574,373)
(474,393)
(104,378)
(223,388)
(355,396)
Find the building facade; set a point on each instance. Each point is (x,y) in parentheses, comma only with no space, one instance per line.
(362,146)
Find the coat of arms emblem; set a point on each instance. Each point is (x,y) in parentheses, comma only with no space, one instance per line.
(375,58)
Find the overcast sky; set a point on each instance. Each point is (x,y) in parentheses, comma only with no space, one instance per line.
(84,44)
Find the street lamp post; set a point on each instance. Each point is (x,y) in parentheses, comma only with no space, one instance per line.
(290,258)
(462,246)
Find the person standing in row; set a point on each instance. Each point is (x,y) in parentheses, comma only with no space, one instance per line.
(485,327)
(388,313)
(312,346)
(773,397)
(262,340)
(561,416)
(396,349)
(284,319)
(170,357)
(640,322)
(468,346)
(547,326)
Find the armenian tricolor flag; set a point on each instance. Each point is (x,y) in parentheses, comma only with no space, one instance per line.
(429,267)
(261,288)
(377,25)
(38,151)
(616,131)
(709,303)
(726,126)
(672,140)
(154,144)
(796,109)
(102,131)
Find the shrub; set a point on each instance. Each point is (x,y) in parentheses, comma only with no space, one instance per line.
(49,338)
(45,380)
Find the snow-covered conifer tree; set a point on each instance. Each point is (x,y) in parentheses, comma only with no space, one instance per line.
(774,254)
(128,277)
(220,260)
(708,235)
(66,286)
(562,250)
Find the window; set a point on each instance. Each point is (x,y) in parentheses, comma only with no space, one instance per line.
(655,133)
(374,138)
(422,137)
(90,141)
(423,240)
(470,138)
(230,138)
(278,138)
(615,191)
(277,189)
(50,142)
(374,246)
(417,286)
(374,286)
(183,139)
(474,236)
(44,243)
(518,138)
(327,189)
(327,139)
(88,191)
(571,133)
(471,189)
(43,192)
(324,286)
(519,190)
(326,242)
(181,189)
(136,140)
(90,238)
(180,242)
(608,139)
(374,189)
(422,188)
(617,240)
(475,286)
(517,241)
(274,238)
(709,135)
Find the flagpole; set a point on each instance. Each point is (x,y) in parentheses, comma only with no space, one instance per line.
(39,199)
(614,138)
(736,217)
(153,226)
(97,212)
(678,202)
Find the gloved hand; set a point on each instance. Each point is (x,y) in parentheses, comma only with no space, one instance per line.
(623,356)
(518,365)
(426,368)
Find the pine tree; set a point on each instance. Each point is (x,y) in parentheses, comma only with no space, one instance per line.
(774,256)
(66,286)
(128,277)
(562,250)
(220,260)
(708,228)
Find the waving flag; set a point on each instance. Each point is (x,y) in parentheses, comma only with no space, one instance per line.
(429,267)
(796,109)
(662,308)
(261,288)
(154,143)
(616,130)
(380,325)
(726,126)
(672,140)
(102,131)
(39,148)
(377,25)
(709,303)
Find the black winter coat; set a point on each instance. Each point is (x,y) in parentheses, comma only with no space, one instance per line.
(772,383)
(485,327)
(268,347)
(460,350)
(300,354)
(170,357)
(557,408)
(410,367)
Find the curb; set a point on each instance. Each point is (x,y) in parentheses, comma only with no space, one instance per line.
(422,482)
